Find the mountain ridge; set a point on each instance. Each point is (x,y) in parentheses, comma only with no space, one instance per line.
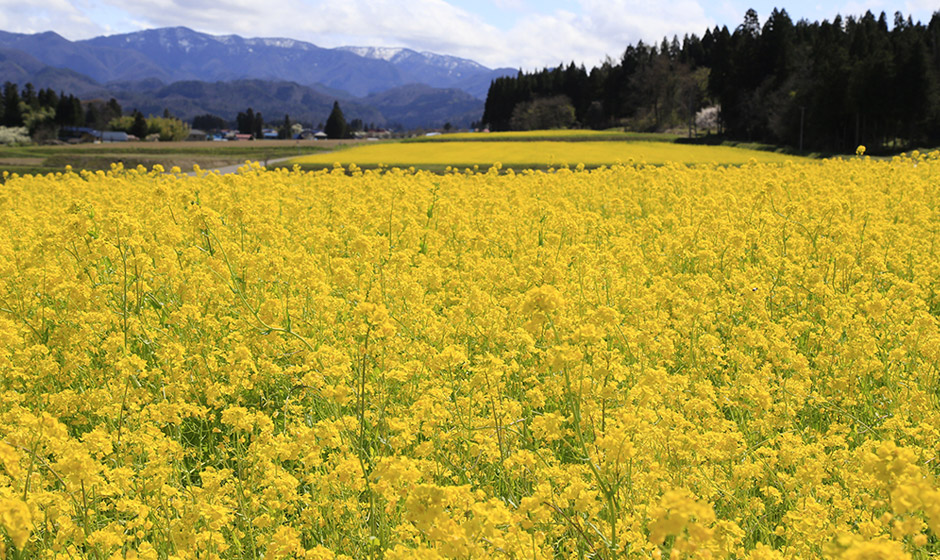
(179,53)
(191,73)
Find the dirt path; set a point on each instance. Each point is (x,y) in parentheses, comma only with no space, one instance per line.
(229,169)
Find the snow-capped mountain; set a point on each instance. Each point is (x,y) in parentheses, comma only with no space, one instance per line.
(177,53)
(192,73)
(434,69)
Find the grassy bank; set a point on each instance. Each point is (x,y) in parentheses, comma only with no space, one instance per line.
(51,159)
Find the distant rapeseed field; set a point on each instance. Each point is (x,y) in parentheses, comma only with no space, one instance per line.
(631,362)
(560,134)
(463,154)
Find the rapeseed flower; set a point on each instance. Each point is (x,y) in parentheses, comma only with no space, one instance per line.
(633,361)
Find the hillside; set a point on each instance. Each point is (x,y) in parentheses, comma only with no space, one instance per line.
(274,99)
(418,105)
(181,54)
(191,73)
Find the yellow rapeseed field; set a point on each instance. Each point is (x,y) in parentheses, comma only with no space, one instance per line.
(560,134)
(630,362)
(463,154)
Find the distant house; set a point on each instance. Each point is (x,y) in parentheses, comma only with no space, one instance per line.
(196,135)
(75,134)
(243,137)
(269,134)
(114,136)
(310,134)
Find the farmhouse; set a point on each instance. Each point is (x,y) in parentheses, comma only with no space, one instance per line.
(114,136)
(310,134)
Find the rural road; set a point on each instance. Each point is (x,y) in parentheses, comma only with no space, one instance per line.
(228,169)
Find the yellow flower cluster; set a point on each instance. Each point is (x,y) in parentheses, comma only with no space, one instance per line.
(523,153)
(630,362)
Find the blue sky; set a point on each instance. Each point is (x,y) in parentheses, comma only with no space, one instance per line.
(516,33)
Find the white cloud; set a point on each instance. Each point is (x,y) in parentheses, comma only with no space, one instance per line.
(52,15)
(858,8)
(603,28)
(918,10)
(922,9)
(223,16)
(515,5)
(600,28)
(425,24)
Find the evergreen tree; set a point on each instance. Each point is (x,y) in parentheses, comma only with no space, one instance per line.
(68,111)
(336,123)
(112,110)
(285,130)
(63,111)
(829,85)
(99,115)
(208,122)
(12,113)
(246,122)
(93,117)
(48,98)
(29,96)
(257,129)
(78,114)
(139,128)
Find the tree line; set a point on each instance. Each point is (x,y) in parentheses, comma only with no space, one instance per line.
(253,123)
(44,114)
(827,86)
